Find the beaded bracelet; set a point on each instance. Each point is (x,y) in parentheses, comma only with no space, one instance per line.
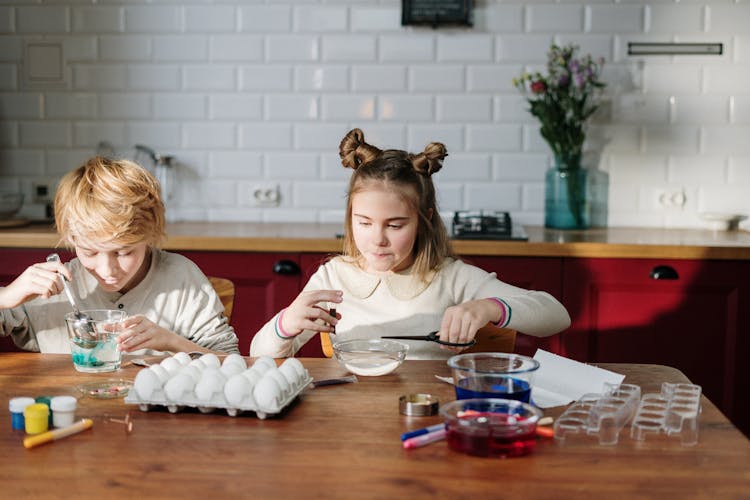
(505,314)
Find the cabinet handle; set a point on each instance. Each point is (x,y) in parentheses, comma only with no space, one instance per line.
(286,267)
(664,273)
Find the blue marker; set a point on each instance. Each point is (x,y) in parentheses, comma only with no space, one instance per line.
(419,432)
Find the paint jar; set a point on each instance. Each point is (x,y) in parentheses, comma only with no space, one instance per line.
(63,410)
(36,417)
(16,407)
(46,400)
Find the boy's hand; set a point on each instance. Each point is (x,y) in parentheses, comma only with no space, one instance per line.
(37,280)
(305,314)
(140,332)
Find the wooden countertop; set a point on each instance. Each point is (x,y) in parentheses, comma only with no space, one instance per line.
(342,441)
(311,237)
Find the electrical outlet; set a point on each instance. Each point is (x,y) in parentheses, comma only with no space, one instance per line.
(672,198)
(41,192)
(265,195)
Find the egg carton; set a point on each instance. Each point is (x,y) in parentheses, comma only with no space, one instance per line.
(673,412)
(208,384)
(601,415)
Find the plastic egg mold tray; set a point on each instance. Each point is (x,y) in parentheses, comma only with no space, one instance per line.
(674,412)
(207,384)
(603,415)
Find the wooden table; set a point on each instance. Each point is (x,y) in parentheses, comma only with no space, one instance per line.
(341,442)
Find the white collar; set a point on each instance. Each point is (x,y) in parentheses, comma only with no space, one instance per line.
(403,285)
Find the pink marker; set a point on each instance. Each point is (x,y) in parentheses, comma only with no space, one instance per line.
(424,439)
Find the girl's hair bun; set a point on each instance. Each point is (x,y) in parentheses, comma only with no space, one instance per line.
(430,160)
(354,151)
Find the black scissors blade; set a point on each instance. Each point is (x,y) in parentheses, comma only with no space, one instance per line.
(432,337)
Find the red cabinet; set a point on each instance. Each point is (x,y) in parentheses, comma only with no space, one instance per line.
(264,284)
(531,273)
(683,313)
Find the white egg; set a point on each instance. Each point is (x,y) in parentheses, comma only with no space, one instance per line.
(267,393)
(290,373)
(183,358)
(194,372)
(171,365)
(214,373)
(265,361)
(259,369)
(178,387)
(208,386)
(160,372)
(236,359)
(280,379)
(146,383)
(197,363)
(237,389)
(210,360)
(231,369)
(297,365)
(252,375)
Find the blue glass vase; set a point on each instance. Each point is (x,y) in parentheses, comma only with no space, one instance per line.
(567,191)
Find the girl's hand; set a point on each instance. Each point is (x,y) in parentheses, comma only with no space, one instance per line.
(461,322)
(140,332)
(305,314)
(37,280)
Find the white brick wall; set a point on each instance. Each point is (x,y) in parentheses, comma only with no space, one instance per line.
(262,92)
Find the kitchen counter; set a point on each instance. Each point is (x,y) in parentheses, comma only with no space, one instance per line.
(613,242)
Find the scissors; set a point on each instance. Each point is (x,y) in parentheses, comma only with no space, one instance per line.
(432,337)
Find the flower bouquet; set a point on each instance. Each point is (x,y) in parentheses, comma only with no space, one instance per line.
(563,101)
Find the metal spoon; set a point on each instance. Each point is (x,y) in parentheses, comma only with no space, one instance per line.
(82,324)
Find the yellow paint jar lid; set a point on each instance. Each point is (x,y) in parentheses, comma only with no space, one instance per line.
(36,418)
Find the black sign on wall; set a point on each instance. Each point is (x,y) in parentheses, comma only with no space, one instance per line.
(436,12)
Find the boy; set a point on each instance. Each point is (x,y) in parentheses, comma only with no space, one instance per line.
(111,213)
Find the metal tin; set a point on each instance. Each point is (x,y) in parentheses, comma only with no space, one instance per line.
(418,405)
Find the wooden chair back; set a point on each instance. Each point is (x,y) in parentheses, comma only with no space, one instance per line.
(489,339)
(225,290)
(493,339)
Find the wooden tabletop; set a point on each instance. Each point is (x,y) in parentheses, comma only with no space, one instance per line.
(341,441)
(614,242)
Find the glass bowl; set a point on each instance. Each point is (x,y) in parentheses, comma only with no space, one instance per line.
(370,358)
(493,375)
(10,204)
(491,427)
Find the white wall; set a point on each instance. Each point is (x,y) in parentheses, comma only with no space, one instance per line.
(262,92)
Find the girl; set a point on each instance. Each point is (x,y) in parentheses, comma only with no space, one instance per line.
(398,275)
(111,213)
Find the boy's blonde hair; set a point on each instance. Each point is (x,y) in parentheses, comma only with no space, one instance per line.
(409,175)
(110,201)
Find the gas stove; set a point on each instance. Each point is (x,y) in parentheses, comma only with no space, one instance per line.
(486,225)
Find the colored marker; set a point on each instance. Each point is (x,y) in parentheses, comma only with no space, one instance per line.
(48,436)
(424,439)
(419,432)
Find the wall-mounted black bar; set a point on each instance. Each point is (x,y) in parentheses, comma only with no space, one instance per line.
(674,49)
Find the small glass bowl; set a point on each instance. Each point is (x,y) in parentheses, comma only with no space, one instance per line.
(370,358)
(491,427)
